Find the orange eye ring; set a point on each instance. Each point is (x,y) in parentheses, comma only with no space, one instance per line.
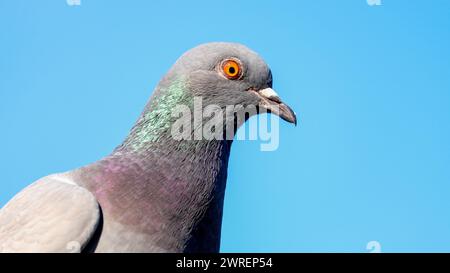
(231,69)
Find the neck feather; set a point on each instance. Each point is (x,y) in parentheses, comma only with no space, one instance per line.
(179,185)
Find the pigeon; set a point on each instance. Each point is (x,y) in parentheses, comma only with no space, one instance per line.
(154,192)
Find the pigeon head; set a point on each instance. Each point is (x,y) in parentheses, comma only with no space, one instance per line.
(230,74)
(220,74)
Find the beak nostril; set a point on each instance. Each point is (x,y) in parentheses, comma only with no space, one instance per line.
(270,94)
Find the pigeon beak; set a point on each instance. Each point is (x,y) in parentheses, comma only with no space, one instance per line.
(272,102)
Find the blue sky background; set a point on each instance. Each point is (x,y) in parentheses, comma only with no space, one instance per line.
(370,159)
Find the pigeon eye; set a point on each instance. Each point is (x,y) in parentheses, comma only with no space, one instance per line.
(231,69)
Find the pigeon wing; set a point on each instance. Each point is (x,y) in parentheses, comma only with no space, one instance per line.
(50,215)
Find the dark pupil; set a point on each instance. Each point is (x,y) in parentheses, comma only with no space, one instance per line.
(231,70)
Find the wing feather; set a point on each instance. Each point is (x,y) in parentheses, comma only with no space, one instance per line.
(50,215)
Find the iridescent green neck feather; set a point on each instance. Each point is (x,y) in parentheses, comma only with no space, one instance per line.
(154,124)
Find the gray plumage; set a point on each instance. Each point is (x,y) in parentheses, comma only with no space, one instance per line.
(152,193)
